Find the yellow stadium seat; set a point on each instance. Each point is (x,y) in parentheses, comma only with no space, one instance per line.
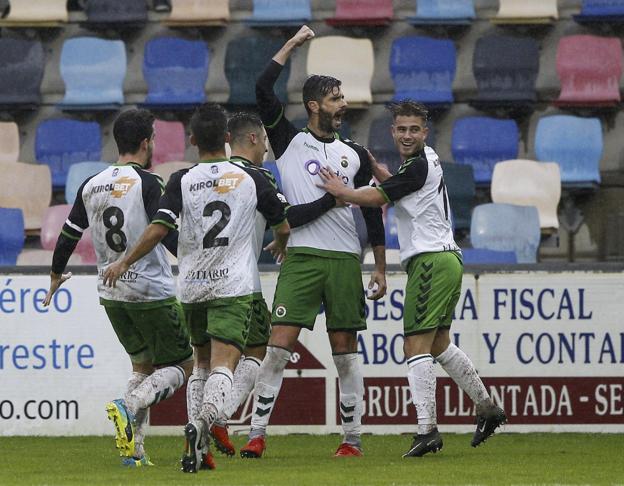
(354,69)
(166,169)
(526,12)
(529,183)
(28,187)
(198,12)
(9,142)
(42,13)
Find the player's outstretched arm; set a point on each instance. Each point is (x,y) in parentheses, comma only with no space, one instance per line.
(152,235)
(277,247)
(304,34)
(379,172)
(363,196)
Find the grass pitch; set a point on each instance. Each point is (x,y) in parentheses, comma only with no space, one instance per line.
(512,459)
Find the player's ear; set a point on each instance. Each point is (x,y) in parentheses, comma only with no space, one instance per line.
(227,137)
(314,106)
(193,140)
(253,138)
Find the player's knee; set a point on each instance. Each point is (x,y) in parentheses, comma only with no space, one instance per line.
(343,342)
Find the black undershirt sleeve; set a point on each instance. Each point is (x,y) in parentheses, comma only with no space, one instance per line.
(410,178)
(373,217)
(306,213)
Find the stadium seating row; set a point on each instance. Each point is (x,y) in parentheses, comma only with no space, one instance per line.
(72,149)
(275,13)
(422,68)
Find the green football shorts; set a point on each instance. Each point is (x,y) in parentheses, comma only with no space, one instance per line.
(260,325)
(151,331)
(306,281)
(432,291)
(226,320)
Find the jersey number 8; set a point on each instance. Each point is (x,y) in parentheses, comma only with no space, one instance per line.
(113,219)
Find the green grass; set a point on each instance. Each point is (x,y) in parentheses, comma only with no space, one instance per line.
(307,460)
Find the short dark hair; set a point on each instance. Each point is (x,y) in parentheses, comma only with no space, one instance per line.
(242,123)
(131,128)
(408,108)
(209,127)
(317,87)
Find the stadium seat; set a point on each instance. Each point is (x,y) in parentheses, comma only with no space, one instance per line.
(576,144)
(93,71)
(175,71)
(113,13)
(21,71)
(526,12)
(345,128)
(279,13)
(28,187)
(362,12)
(53,220)
(480,256)
(61,142)
(166,169)
(43,258)
(529,183)
(423,69)
(392,229)
(355,70)
(77,174)
(505,69)
(460,187)
(481,141)
(242,70)
(170,141)
(443,12)
(589,68)
(12,235)
(505,227)
(9,142)
(601,11)
(198,13)
(271,165)
(43,13)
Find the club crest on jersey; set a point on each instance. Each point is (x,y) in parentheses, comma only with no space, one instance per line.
(122,186)
(280,310)
(344,161)
(115,172)
(214,169)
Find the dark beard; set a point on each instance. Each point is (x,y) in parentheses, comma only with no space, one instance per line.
(325,121)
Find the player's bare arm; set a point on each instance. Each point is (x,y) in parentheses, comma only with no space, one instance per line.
(363,196)
(277,247)
(152,235)
(304,34)
(56,280)
(379,172)
(377,285)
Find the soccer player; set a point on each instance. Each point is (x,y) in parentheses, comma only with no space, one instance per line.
(248,141)
(216,201)
(323,256)
(434,266)
(118,204)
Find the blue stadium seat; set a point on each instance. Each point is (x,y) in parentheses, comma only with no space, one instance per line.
(392,230)
(506,227)
(606,11)
(59,143)
(12,235)
(460,186)
(279,13)
(443,12)
(576,144)
(505,69)
(21,71)
(479,256)
(423,70)
(93,71)
(242,70)
(175,71)
(481,141)
(272,166)
(113,13)
(77,174)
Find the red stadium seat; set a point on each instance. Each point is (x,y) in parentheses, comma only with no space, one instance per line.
(589,69)
(362,12)
(169,141)
(53,220)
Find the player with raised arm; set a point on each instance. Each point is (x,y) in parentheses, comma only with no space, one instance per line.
(216,202)
(434,266)
(118,204)
(323,256)
(248,141)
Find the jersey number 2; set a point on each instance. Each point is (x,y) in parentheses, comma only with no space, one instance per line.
(210,239)
(113,219)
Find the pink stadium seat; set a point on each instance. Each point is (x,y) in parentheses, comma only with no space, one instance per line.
(169,142)
(362,12)
(589,69)
(53,220)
